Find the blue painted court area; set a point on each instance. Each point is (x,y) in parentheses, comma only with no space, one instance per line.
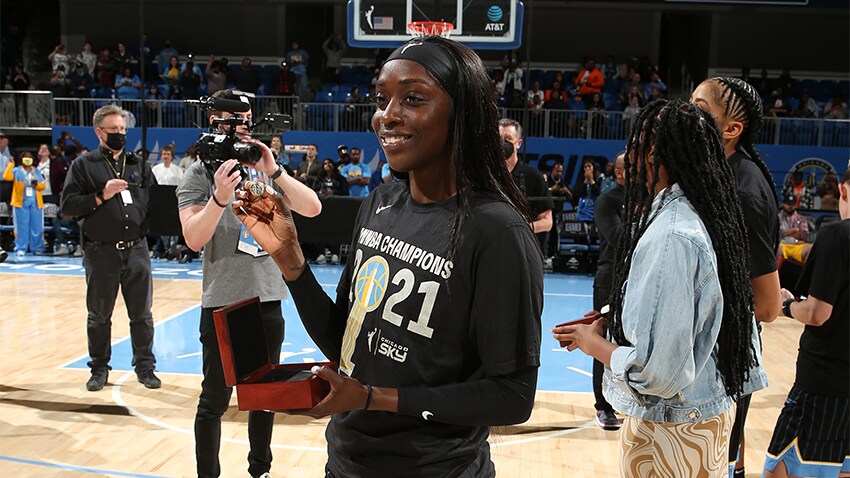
(178,350)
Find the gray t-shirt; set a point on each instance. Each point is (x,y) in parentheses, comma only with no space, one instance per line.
(229,275)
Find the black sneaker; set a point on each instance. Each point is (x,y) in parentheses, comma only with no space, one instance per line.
(148,379)
(607,420)
(97,380)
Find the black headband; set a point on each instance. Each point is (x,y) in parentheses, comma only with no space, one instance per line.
(433,58)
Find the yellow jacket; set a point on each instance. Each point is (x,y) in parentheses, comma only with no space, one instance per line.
(18,176)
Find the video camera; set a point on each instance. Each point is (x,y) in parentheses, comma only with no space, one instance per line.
(216,146)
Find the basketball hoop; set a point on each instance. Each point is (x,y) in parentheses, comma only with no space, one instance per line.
(424,29)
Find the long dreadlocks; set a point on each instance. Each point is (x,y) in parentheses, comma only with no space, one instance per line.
(687,142)
(742,102)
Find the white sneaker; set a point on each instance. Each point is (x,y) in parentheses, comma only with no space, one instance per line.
(321,259)
(78,252)
(265,475)
(334,259)
(20,253)
(62,250)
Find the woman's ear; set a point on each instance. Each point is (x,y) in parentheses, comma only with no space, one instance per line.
(732,130)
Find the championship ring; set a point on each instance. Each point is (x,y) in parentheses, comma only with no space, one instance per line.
(257,188)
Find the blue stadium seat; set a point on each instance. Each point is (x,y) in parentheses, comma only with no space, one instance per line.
(347,74)
(810,85)
(324,97)
(341,96)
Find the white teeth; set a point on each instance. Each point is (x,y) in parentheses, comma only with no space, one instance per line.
(394,139)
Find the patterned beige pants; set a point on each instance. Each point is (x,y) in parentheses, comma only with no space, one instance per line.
(676,450)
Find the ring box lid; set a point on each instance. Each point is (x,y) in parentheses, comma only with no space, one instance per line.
(242,338)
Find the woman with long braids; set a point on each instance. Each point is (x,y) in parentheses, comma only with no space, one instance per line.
(681,303)
(737,108)
(436,323)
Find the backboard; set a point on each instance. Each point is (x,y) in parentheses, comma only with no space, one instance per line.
(480,24)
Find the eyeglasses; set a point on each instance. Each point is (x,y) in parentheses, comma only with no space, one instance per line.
(117,129)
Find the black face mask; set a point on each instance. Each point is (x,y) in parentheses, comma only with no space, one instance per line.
(116,141)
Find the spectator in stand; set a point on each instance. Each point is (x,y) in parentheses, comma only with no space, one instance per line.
(105,69)
(631,87)
(654,82)
(216,79)
(654,94)
(60,84)
(835,108)
(27,205)
(128,85)
(58,57)
(81,81)
(513,80)
(146,56)
(298,59)
(589,81)
(330,182)
(358,175)
(21,82)
(778,104)
(631,111)
(786,83)
(745,75)
(829,193)
(171,75)
(586,190)
(247,79)
(190,79)
(512,56)
(309,168)
(515,100)
(283,82)
(535,93)
(54,170)
(764,86)
(153,104)
(164,56)
(88,58)
(123,59)
(598,117)
(557,123)
(807,108)
(609,69)
(333,47)
(797,187)
(225,68)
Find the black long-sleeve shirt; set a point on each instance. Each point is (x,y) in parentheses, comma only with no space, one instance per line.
(608,215)
(113,220)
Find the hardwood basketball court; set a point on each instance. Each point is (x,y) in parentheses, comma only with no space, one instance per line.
(50,426)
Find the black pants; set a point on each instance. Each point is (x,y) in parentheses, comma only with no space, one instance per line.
(106,269)
(215,397)
(600,298)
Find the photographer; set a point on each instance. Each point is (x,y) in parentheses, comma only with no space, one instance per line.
(230,275)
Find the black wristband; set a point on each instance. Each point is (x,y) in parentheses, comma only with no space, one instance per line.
(223,206)
(277,173)
(368,397)
(786,307)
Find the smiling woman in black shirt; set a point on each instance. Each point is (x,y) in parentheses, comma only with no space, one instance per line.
(436,322)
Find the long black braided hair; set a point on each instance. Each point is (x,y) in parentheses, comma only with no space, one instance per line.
(687,143)
(742,102)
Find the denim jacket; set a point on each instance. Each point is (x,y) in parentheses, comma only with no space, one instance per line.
(672,310)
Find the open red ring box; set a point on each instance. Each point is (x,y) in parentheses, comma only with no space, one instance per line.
(261,384)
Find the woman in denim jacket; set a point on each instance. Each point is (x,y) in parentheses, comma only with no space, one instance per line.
(681,304)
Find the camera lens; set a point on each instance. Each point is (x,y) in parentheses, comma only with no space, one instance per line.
(248,153)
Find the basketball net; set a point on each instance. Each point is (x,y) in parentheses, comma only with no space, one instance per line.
(424,29)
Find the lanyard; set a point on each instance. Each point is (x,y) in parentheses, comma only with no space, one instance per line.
(123,164)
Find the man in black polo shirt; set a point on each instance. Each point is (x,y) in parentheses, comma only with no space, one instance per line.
(530,182)
(107,190)
(608,215)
